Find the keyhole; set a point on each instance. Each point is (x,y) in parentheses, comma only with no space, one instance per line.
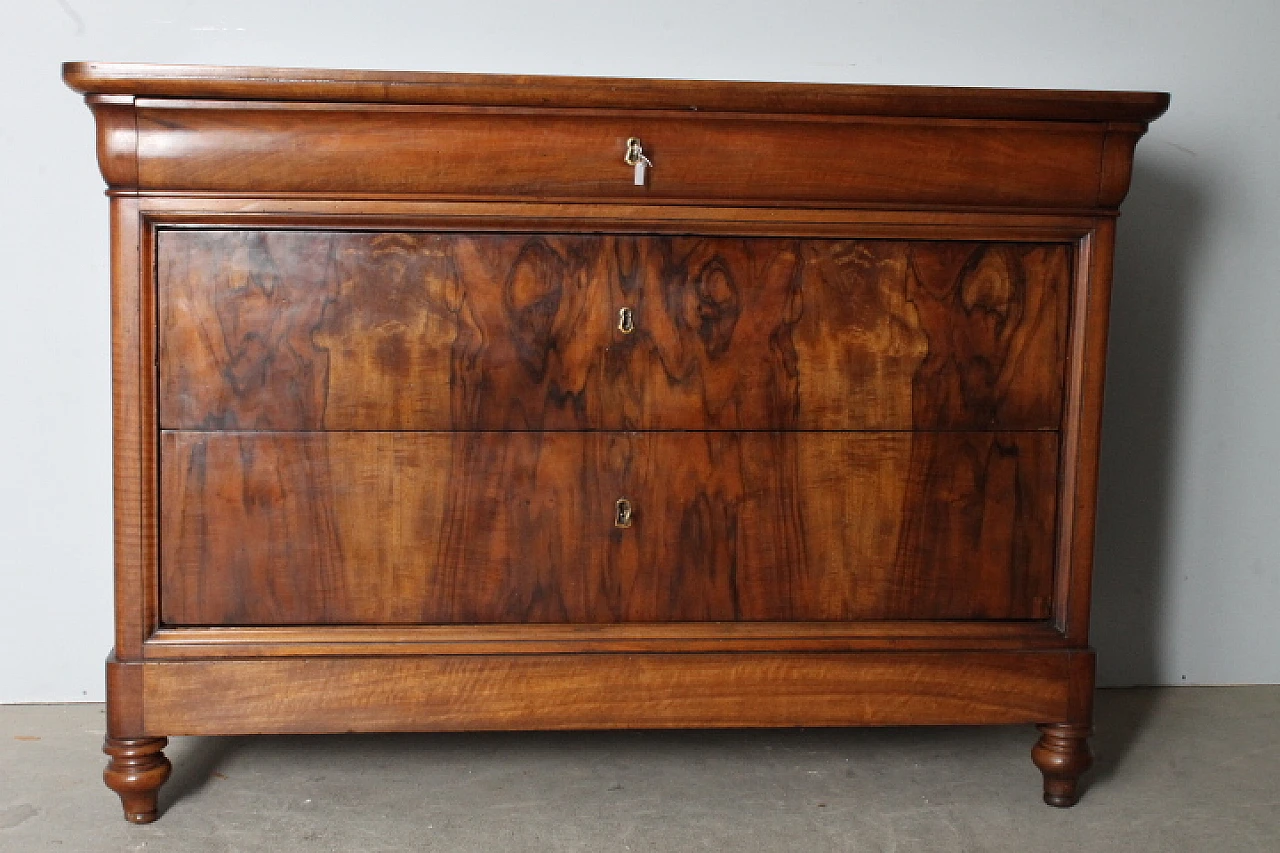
(622,513)
(626,322)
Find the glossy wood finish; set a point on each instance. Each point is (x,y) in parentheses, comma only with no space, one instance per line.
(137,769)
(380,311)
(287,330)
(519,527)
(1062,754)
(133,430)
(167,212)
(478,692)
(810,144)
(117,126)
(1081,438)
(510,90)
(179,643)
(367,149)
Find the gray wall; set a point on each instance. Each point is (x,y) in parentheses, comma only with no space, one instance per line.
(1187,580)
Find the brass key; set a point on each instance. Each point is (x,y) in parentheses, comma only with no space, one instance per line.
(635,157)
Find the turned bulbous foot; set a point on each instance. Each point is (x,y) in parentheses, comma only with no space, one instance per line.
(1062,754)
(137,769)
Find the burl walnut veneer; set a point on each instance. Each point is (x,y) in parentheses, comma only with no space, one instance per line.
(453,402)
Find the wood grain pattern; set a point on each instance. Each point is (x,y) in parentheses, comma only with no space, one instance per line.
(477,692)
(221,147)
(204,643)
(858,417)
(287,330)
(1082,432)
(539,217)
(496,90)
(1062,754)
(133,432)
(137,769)
(518,527)
(117,125)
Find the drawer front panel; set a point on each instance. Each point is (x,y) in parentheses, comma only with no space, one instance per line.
(397,527)
(478,154)
(290,330)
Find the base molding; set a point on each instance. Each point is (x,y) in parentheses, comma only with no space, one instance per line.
(602,691)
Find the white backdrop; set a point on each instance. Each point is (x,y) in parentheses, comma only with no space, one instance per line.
(1187,580)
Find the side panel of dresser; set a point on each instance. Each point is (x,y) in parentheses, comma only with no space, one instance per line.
(134,428)
(1082,431)
(138,766)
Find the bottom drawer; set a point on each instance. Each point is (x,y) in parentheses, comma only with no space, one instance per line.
(403,527)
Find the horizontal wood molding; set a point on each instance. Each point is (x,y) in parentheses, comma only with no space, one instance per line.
(307,84)
(698,158)
(178,211)
(477,692)
(117,123)
(385,640)
(187,129)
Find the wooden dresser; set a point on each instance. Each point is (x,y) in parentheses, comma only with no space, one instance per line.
(453,402)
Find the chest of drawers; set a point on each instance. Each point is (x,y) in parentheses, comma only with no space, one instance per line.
(451,402)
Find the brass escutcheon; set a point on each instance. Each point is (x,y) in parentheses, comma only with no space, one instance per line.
(622,513)
(626,321)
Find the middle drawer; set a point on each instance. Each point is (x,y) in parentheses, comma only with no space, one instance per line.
(351,330)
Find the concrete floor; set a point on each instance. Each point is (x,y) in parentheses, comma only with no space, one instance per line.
(1187,769)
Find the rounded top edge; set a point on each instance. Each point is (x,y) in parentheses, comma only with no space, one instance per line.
(436,88)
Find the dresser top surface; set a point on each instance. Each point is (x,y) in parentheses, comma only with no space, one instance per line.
(502,90)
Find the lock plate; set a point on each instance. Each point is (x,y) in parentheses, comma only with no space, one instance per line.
(622,513)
